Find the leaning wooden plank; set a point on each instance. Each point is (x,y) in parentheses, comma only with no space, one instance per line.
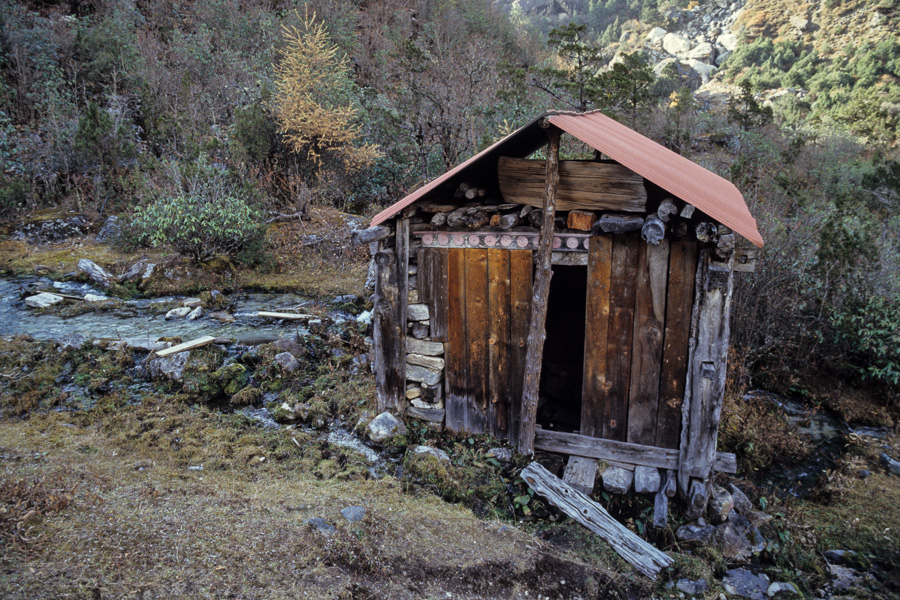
(705,384)
(198,343)
(644,557)
(620,452)
(285,316)
(537,328)
(587,185)
(581,473)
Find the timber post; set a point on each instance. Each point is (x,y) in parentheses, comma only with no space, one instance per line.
(389,322)
(540,294)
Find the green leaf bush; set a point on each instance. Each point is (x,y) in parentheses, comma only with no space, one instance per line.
(199,227)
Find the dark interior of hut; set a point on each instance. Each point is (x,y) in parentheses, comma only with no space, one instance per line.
(563,361)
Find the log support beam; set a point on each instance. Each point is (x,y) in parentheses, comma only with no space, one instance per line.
(540,293)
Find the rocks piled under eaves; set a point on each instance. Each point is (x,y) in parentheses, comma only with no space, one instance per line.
(425,378)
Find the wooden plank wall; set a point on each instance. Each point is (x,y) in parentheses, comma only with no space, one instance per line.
(636,339)
(488,305)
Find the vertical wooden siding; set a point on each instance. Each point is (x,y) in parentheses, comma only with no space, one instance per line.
(487,320)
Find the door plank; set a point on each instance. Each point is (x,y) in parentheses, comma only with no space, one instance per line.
(595,386)
(458,392)
(477,330)
(520,276)
(498,339)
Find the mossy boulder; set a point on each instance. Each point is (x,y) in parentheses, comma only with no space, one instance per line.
(231,378)
(246,397)
(214,300)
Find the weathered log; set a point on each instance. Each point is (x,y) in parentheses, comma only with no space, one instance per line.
(495,220)
(617,223)
(509,221)
(410,211)
(372,234)
(706,232)
(525,211)
(653,231)
(535,218)
(644,557)
(477,219)
(389,323)
(437,207)
(541,291)
(439,219)
(745,259)
(697,499)
(687,212)
(666,209)
(457,218)
(581,220)
(679,229)
(263,314)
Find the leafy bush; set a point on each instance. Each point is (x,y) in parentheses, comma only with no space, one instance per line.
(198,226)
(870,332)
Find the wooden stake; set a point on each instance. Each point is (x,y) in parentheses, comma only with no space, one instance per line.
(540,293)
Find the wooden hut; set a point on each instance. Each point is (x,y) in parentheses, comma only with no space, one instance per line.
(578,307)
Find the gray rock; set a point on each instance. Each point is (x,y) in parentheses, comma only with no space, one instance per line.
(145,344)
(417,312)
(842,557)
(675,44)
(704,70)
(134,272)
(727,40)
(739,539)
(169,367)
(110,230)
(43,300)
(646,480)
(429,362)
(617,480)
(704,52)
(429,415)
(287,362)
(195,314)
(73,341)
(692,588)
(423,375)
(95,272)
(321,524)
(346,299)
(148,271)
(414,346)
(384,427)
(698,534)
(95,298)
(742,503)
(504,455)
(720,505)
(782,587)
(721,57)
(886,461)
(291,345)
(679,72)
(354,514)
(192,302)
(743,583)
(435,452)
(656,35)
(178,313)
(365,317)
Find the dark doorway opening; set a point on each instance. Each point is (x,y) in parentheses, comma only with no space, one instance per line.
(562,369)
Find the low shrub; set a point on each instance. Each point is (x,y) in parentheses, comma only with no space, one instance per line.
(200,227)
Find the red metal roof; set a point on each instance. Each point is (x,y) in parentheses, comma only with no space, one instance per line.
(715,196)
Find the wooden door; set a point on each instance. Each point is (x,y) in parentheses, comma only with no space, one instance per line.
(488,312)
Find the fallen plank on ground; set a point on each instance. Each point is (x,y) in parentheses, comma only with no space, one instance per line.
(198,343)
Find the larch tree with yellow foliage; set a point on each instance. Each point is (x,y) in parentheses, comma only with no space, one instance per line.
(315,100)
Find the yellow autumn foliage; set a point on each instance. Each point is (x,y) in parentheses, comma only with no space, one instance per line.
(314,105)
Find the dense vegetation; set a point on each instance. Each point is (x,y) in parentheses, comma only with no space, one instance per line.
(153,108)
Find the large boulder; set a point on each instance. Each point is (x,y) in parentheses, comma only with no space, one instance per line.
(705,71)
(676,44)
(656,35)
(110,230)
(727,40)
(704,52)
(678,72)
(384,427)
(95,272)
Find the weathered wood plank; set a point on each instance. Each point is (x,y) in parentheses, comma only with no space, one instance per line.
(498,339)
(644,557)
(438,295)
(520,285)
(185,346)
(595,385)
(264,314)
(581,473)
(682,269)
(705,382)
(537,330)
(581,220)
(621,327)
(456,350)
(389,325)
(588,185)
(477,330)
(646,358)
(575,444)
(423,281)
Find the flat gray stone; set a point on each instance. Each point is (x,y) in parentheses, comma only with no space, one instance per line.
(617,480)
(429,415)
(95,298)
(423,375)
(692,588)
(43,300)
(504,455)
(321,524)
(698,534)
(169,367)
(354,514)
(782,587)
(95,272)
(746,584)
(417,312)
(429,362)
(178,313)
(192,302)
(414,346)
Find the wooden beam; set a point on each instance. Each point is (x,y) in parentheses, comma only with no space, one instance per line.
(541,291)
(372,234)
(575,444)
(705,382)
(389,322)
(644,557)
(198,343)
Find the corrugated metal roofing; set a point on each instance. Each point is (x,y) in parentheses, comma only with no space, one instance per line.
(685,179)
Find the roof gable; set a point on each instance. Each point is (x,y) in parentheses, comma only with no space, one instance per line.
(683,178)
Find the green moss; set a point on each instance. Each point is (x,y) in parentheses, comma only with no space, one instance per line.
(246,397)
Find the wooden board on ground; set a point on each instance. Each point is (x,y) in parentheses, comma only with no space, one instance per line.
(644,557)
(286,316)
(588,185)
(198,343)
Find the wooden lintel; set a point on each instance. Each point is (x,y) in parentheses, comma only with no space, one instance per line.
(611,451)
(541,292)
